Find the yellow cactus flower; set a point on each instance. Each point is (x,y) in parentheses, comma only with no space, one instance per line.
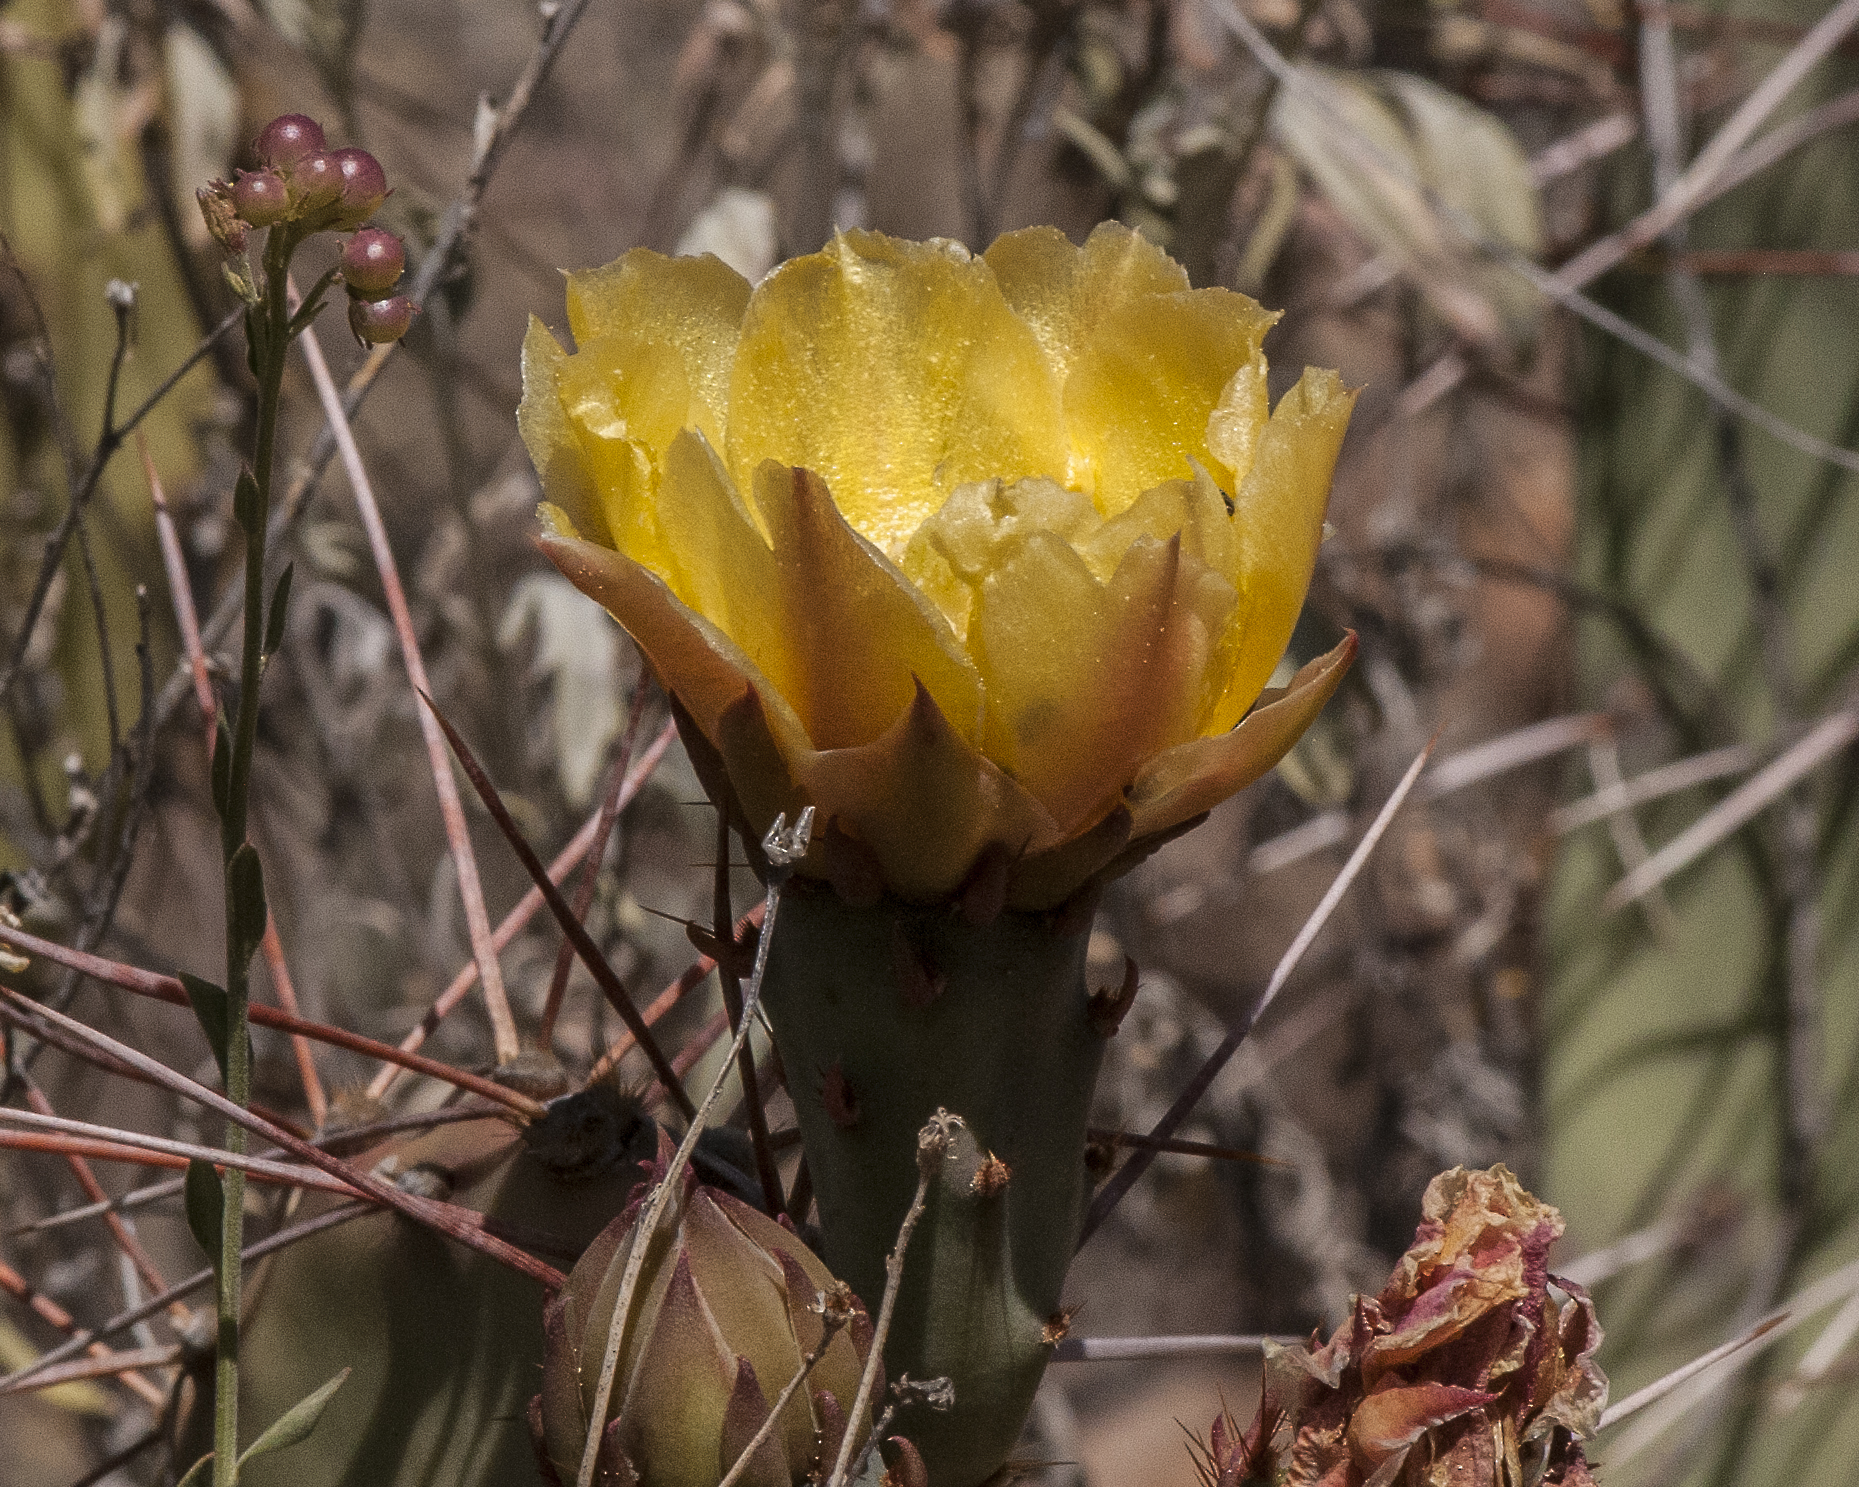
(985,557)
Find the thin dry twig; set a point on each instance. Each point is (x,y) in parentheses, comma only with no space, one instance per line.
(48,1310)
(1820,743)
(1114,1349)
(1126,1176)
(933,1143)
(835,1312)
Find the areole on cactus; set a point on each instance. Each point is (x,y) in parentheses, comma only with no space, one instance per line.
(987,559)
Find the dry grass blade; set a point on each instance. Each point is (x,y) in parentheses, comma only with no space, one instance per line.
(1655,784)
(1825,739)
(610,984)
(1126,1176)
(451,809)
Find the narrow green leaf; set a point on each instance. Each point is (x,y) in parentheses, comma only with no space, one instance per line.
(209,1003)
(245,500)
(245,879)
(197,1473)
(296,1423)
(206,1207)
(279,611)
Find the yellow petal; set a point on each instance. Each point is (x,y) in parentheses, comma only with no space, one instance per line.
(688,308)
(1141,391)
(1181,782)
(1064,292)
(1086,680)
(860,636)
(1278,517)
(925,802)
(696,662)
(896,372)
(553,447)
(1195,509)
(1234,427)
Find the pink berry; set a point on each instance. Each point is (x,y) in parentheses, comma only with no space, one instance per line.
(375,324)
(372,262)
(261,197)
(315,182)
(288,138)
(364,186)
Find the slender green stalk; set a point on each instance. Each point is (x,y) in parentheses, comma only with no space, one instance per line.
(268,326)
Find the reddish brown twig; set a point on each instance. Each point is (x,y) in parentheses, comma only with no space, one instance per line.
(49,1310)
(286,993)
(604,975)
(440,1216)
(590,876)
(168,989)
(518,918)
(692,976)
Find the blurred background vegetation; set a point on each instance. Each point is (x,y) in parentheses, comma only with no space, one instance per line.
(1628,609)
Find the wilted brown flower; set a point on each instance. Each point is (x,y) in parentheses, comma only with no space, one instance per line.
(1473,1366)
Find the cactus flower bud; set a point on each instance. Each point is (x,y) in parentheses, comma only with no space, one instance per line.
(727,1311)
(315,183)
(372,262)
(261,196)
(380,322)
(364,186)
(287,139)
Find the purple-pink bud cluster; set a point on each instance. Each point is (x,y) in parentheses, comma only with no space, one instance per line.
(299,181)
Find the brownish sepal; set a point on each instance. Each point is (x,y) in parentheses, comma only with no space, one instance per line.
(1076,914)
(984,895)
(612,1467)
(919,981)
(851,867)
(906,1468)
(841,1104)
(991,1177)
(832,1430)
(1108,1007)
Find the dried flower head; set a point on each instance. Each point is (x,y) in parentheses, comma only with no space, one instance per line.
(1474,1364)
(983,556)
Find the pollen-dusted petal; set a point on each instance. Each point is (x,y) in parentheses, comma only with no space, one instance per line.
(1063,291)
(925,802)
(1279,518)
(553,447)
(1179,783)
(861,635)
(1237,421)
(690,308)
(695,660)
(1140,391)
(1086,680)
(896,372)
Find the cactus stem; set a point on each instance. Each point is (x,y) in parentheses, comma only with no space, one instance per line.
(932,1149)
(782,848)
